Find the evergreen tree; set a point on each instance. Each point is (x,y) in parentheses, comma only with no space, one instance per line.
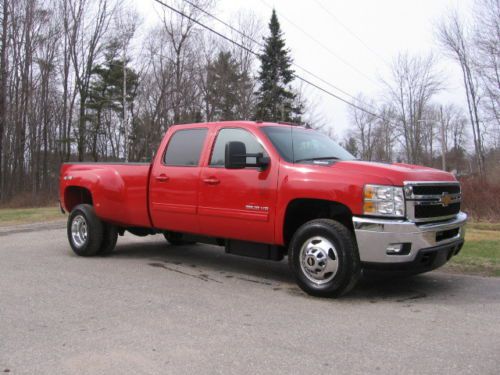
(106,93)
(276,100)
(225,83)
(351,145)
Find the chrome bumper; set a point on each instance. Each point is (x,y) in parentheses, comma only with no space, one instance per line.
(374,236)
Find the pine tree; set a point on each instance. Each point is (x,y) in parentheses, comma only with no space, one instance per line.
(276,100)
(351,145)
(225,83)
(106,93)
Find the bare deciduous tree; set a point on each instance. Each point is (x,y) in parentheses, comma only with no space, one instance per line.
(74,87)
(179,29)
(487,60)
(385,134)
(455,38)
(364,124)
(413,84)
(90,23)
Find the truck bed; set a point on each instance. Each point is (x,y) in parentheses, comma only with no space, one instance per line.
(119,190)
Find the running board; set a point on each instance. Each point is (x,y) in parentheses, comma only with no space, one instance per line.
(254,250)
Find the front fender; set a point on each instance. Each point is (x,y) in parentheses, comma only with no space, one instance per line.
(324,183)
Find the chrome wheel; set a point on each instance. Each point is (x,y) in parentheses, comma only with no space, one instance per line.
(319,260)
(79,232)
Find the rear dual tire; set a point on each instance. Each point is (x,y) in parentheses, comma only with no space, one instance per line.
(88,235)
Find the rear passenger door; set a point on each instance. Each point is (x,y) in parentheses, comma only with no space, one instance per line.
(174,182)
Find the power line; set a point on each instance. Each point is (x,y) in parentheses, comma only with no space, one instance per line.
(256,54)
(322,45)
(262,46)
(352,33)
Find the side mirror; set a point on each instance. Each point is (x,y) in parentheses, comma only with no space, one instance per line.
(235,155)
(263,161)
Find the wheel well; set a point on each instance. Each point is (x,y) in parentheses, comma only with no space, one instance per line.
(75,195)
(300,211)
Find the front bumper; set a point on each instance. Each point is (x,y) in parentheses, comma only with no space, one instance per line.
(426,246)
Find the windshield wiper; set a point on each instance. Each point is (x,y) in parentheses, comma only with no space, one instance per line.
(318,158)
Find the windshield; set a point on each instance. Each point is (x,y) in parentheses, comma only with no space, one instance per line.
(299,145)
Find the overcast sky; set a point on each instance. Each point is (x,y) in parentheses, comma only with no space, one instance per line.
(348,43)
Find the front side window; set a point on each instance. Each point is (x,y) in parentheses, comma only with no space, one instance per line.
(299,145)
(229,135)
(184,148)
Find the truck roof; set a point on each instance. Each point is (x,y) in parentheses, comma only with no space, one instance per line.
(238,123)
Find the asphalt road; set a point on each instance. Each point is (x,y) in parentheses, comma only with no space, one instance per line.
(155,309)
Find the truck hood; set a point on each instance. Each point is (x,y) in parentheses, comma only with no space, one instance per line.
(396,173)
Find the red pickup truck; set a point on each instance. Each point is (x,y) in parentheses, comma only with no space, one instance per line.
(268,190)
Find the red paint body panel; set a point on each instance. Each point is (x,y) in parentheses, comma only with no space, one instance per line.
(119,191)
(245,204)
(242,202)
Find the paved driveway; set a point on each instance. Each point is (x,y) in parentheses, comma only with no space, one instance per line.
(155,309)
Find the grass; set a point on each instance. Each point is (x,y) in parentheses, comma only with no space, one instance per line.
(481,252)
(13,216)
(479,256)
(483,225)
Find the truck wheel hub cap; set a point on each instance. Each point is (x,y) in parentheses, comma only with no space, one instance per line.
(319,260)
(79,231)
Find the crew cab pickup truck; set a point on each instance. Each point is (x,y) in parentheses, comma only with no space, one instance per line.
(271,190)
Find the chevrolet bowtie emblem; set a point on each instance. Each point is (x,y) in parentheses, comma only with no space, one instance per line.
(445,199)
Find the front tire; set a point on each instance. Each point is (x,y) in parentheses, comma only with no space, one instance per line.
(324,258)
(85,230)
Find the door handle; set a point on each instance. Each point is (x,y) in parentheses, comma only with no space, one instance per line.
(162,178)
(211,181)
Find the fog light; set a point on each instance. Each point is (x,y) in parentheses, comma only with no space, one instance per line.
(398,249)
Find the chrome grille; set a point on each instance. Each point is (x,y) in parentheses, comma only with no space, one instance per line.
(432,201)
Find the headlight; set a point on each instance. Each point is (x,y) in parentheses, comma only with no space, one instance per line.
(383,201)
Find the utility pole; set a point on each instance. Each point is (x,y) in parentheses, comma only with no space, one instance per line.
(125,122)
(443,140)
(3,92)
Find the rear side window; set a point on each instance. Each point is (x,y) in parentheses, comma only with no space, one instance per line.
(229,135)
(184,148)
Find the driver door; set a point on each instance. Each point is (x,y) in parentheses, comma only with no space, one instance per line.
(237,203)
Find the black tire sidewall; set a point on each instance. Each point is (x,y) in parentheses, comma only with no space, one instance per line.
(109,239)
(175,239)
(94,230)
(348,260)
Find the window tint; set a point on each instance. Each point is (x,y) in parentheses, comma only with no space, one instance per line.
(230,135)
(185,147)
